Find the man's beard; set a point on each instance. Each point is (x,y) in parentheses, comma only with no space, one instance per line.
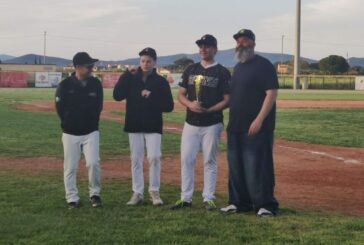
(242,54)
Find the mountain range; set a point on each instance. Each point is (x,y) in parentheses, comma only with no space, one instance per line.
(224,57)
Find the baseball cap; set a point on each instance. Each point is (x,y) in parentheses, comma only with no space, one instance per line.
(245,33)
(83,58)
(208,40)
(150,52)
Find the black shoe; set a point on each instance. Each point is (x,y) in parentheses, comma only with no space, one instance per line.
(73,205)
(95,201)
(181,204)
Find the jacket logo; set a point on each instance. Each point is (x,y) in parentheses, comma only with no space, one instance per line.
(92,94)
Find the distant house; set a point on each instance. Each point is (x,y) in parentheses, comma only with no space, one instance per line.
(284,68)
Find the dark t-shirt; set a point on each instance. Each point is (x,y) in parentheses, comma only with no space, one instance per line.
(249,83)
(214,84)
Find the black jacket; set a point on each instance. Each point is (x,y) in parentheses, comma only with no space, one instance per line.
(144,115)
(79,104)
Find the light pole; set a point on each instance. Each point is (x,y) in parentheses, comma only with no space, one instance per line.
(44,51)
(282,48)
(296,71)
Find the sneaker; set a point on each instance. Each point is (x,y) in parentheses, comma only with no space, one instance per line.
(136,199)
(209,205)
(73,205)
(181,204)
(155,198)
(264,213)
(229,209)
(95,201)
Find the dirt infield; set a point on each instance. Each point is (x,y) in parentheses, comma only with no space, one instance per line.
(307,175)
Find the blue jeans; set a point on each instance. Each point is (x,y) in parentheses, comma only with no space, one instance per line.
(251,171)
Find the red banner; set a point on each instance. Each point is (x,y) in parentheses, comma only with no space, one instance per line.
(109,79)
(13,79)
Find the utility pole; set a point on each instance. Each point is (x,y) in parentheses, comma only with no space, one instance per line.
(45,43)
(296,71)
(282,48)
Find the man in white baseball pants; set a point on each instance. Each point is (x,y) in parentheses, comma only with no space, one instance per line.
(148,95)
(204,91)
(79,101)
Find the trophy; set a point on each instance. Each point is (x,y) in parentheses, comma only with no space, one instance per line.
(197,83)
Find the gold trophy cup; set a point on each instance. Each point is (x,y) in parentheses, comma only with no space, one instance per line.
(197,82)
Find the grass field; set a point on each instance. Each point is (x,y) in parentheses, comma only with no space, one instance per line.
(33,211)
(40,217)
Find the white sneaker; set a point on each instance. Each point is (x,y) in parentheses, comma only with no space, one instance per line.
(229,209)
(264,213)
(155,198)
(136,199)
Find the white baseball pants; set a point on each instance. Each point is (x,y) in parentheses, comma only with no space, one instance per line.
(153,145)
(73,146)
(193,139)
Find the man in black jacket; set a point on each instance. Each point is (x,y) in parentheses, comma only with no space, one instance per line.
(147,96)
(79,101)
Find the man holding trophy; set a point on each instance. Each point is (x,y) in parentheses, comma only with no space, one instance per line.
(204,91)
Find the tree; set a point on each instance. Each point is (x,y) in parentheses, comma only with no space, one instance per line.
(334,64)
(183,62)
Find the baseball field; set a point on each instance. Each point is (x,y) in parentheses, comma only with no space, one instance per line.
(319,166)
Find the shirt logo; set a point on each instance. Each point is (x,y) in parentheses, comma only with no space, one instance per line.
(204,81)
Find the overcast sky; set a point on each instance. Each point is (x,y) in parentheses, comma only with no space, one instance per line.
(118,29)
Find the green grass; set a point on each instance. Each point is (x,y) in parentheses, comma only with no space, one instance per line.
(29,134)
(342,127)
(320,95)
(40,216)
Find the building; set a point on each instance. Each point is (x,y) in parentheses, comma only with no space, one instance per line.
(284,69)
(28,67)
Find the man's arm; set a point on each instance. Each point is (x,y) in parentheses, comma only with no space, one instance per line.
(59,101)
(122,86)
(220,106)
(167,102)
(270,99)
(101,98)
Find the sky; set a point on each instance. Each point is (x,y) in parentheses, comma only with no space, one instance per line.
(119,29)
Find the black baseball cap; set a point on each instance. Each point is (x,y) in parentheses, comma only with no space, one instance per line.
(245,33)
(208,40)
(150,52)
(83,58)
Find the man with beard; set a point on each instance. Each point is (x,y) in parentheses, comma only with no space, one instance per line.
(204,91)
(254,88)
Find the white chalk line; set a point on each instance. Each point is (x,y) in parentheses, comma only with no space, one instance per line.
(324,154)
